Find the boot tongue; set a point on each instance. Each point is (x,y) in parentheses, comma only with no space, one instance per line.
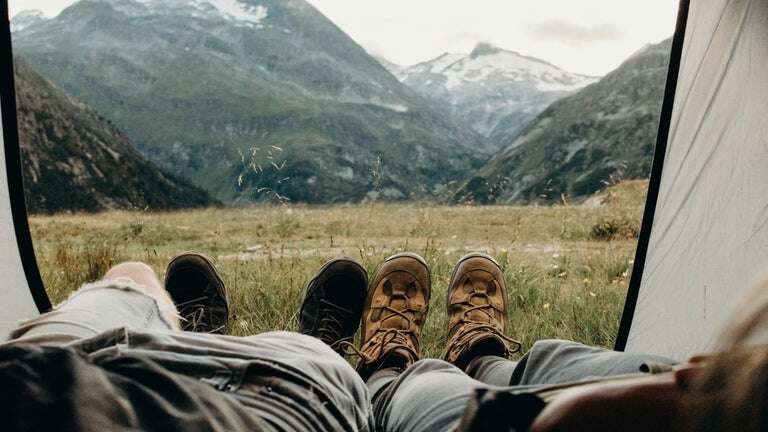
(395,321)
(335,307)
(480,314)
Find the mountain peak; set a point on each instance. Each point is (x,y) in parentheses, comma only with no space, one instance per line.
(27,18)
(485,48)
(30,12)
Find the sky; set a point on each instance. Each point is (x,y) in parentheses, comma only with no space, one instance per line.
(586,36)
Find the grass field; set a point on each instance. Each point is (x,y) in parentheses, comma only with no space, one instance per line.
(566,267)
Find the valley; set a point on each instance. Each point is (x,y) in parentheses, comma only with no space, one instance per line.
(269,101)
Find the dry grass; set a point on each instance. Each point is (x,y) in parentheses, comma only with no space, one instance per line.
(562,282)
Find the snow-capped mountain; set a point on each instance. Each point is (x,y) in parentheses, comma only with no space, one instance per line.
(235,12)
(496,90)
(581,143)
(393,68)
(26,18)
(252,98)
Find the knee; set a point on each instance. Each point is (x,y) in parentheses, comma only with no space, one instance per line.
(136,271)
(433,365)
(147,282)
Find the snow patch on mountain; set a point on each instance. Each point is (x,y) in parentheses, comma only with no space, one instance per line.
(496,90)
(438,65)
(25,19)
(241,12)
(234,11)
(496,65)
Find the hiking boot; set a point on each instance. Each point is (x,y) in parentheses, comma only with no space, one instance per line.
(395,311)
(198,292)
(333,303)
(477,311)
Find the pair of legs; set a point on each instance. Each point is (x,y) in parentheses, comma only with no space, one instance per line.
(403,393)
(272,381)
(413,394)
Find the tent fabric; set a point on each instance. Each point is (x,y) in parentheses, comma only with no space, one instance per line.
(709,237)
(22,294)
(15,296)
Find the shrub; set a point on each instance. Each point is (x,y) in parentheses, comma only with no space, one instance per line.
(615,229)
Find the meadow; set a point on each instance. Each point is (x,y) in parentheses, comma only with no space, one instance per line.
(566,266)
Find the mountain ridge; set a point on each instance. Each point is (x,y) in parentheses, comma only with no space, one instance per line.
(604,133)
(495,90)
(75,160)
(27,18)
(213,101)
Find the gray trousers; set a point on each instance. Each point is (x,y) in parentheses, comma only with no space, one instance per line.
(175,380)
(294,382)
(432,395)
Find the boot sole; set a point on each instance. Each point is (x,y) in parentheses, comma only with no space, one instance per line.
(326,266)
(208,261)
(456,269)
(312,283)
(411,255)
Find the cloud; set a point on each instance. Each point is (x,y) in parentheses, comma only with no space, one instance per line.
(574,34)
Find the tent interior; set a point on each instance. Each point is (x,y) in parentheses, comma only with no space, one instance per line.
(704,236)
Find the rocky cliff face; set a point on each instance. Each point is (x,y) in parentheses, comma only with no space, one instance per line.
(75,160)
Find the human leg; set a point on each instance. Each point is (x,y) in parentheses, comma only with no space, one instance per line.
(432,394)
(551,362)
(330,313)
(129,295)
(477,341)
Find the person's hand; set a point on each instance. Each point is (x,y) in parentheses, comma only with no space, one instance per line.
(687,372)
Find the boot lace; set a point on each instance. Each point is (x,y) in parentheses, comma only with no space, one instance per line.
(374,348)
(468,327)
(193,314)
(331,327)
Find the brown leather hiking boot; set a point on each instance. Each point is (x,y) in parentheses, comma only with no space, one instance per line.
(395,311)
(477,311)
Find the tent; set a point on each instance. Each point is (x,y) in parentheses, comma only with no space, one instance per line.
(22,293)
(705,229)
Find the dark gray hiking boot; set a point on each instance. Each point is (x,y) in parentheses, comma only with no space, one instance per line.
(198,292)
(333,303)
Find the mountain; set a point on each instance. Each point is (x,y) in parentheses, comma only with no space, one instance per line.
(74,160)
(394,68)
(605,132)
(252,99)
(27,18)
(495,90)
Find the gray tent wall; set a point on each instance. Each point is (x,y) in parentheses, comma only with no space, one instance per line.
(15,296)
(21,292)
(709,233)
